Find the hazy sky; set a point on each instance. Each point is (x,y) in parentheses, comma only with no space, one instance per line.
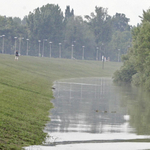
(131,8)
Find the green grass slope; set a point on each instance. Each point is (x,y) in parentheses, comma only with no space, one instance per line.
(25,94)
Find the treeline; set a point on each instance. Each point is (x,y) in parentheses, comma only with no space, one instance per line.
(48,32)
(136,68)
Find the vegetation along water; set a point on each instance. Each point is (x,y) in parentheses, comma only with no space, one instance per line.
(136,68)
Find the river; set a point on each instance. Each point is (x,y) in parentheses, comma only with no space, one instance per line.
(94,113)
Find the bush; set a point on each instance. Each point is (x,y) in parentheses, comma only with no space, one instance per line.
(136,79)
(125,73)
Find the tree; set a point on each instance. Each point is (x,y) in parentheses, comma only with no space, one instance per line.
(120,22)
(100,24)
(139,54)
(17,20)
(45,23)
(10,28)
(120,41)
(78,33)
(68,13)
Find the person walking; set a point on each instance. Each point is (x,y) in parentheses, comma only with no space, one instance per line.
(16,55)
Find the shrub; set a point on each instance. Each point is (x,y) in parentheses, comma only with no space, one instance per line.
(125,73)
(136,79)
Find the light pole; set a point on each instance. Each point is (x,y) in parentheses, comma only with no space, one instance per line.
(20,39)
(97,53)
(83,52)
(102,55)
(15,43)
(39,47)
(43,47)
(59,50)
(27,46)
(72,52)
(118,54)
(3,44)
(50,49)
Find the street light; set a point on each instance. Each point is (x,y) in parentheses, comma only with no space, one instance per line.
(72,52)
(3,44)
(43,47)
(50,49)
(72,49)
(39,47)
(83,53)
(97,53)
(118,54)
(59,50)
(27,46)
(20,39)
(15,43)
(102,55)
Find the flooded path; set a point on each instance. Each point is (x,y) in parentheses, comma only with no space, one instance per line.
(94,113)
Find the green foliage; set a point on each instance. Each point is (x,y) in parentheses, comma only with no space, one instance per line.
(120,40)
(100,24)
(45,23)
(111,33)
(68,13)
(146,16)
(136,79)
(10,28)
(125,73)
(79,34)
(120,22)
(139,55)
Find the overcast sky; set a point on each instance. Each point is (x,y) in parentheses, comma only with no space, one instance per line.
(131,8)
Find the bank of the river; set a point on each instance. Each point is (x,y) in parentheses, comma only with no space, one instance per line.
(25,93)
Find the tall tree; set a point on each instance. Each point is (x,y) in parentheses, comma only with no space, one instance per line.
(45,23)
(68,13)
(79,34)
(101,25)
(120,22)
(138,56)
(121,37)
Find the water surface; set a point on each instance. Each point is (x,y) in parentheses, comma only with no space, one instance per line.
(93,112)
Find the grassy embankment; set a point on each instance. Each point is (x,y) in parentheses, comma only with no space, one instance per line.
(25,93)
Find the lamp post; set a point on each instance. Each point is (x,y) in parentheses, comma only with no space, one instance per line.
(3,44)
(43,47)
(20,39)
(59,50)
(118,54)
(50,49)
(72,52)
(97,53)
(83,52)
(39,47)
(27,46)
(15,43)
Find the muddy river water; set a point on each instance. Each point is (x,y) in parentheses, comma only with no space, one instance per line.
(94,113)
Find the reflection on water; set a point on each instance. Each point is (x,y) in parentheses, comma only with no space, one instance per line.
(93,113)
(86,105)
(138,103)
(97,107)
